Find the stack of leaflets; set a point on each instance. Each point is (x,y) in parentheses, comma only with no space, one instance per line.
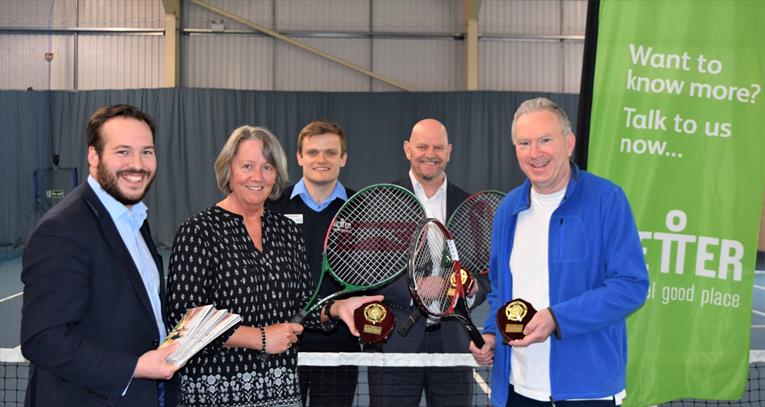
(196,329)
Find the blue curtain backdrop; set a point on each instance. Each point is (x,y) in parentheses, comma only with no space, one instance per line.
(194,123)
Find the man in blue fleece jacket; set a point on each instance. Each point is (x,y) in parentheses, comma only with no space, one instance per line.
(566,242)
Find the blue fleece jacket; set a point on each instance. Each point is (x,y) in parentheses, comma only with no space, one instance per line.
(597,276)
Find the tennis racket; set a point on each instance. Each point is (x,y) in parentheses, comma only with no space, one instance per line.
(367,241)
(436,280)
(471,225)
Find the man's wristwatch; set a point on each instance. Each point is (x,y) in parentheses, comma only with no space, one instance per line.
(328,312)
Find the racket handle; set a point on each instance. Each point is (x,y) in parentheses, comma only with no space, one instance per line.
(404,329)
(476,337)
(299,317)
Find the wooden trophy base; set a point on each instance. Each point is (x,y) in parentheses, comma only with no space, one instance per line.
(374,321)
(513,317)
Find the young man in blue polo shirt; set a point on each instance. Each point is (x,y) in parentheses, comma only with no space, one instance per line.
(312,203)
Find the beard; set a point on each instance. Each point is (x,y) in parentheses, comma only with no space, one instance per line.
(109,183)
(430,176)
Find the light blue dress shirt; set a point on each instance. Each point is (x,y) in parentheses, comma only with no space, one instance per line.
(338,192)
(128,222)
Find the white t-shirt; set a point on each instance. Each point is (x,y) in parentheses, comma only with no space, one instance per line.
(530,374)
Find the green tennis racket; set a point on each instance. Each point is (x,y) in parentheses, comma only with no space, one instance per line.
(367,242)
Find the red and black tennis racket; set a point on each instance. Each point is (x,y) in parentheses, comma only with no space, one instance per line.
(366,245)
(437,282)
(471,225)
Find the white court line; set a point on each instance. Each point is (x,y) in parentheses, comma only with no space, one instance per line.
(10,297)
(481,383)
(759,287)
(754,311)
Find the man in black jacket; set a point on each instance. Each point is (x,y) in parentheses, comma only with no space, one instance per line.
(428,151)
(312,203)
(94,294)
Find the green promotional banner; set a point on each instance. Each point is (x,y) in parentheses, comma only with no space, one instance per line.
(678,121)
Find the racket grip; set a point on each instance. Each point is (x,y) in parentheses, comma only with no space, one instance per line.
(404,329)
(299,317)
(476,337)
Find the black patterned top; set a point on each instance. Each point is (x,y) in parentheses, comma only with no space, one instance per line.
(214,261)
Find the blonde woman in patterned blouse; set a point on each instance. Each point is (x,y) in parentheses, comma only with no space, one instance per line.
(240,256)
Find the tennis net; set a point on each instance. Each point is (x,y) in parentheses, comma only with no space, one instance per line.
(14,372)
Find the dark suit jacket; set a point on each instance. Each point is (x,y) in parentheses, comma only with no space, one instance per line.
(398,298)
(86,316)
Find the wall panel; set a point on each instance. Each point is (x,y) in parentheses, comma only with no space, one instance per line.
(525,45)
(121,13)
(257,11)
(573,53)
(574,17)
(533,66)
(422,16)
(120,61)
(425,65)
(228,61)
(322,15)
(523,17)
(23,65)
(301,70)
(37,13)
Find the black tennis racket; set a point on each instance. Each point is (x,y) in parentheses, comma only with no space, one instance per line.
(471,225)
(366,244)
(436,280)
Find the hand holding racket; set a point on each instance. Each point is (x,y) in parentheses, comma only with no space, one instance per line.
(436,281)
(430,287)
(366,244)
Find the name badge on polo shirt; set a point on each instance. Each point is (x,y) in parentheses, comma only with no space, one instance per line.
(295,217)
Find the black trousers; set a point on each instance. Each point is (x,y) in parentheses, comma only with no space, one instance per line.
(516,400)
(328,386)
(403,386)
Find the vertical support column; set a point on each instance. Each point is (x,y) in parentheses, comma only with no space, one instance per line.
(171,70)
(472,8)
(76,46)
(371,29)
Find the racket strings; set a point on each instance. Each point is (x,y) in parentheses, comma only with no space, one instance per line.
(369,240)
(432,267)
(471,225)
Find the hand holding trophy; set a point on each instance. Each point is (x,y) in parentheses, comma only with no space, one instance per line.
(513,317)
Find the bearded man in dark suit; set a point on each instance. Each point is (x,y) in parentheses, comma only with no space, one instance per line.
(93,310)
